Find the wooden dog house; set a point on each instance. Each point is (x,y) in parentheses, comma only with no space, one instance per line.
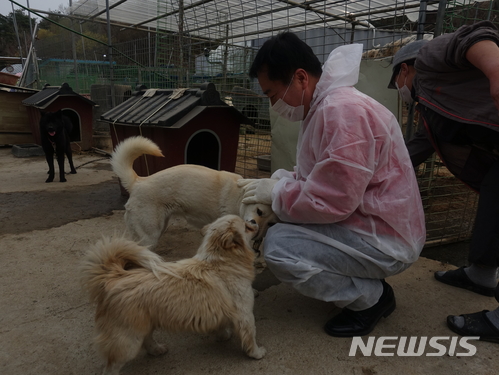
(191,126)
(14,120)
(76,107)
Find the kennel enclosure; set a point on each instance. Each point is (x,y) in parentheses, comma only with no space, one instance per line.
(185,43)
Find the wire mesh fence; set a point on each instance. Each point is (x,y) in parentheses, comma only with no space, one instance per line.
(185,43)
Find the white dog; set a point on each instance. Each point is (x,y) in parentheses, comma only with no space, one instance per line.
(199,194)
(137,292)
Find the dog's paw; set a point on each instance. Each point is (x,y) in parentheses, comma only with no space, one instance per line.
(157,349)
(258,353)
(73,171)
(49,179)
(63,180)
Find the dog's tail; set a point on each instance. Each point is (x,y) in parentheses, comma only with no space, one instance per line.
(111,259)
(124,155)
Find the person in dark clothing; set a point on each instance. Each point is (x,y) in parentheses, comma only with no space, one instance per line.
(455,80)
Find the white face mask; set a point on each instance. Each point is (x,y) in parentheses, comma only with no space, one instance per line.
(404,92)
(287,111)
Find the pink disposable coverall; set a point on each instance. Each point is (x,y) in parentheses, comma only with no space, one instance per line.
(353,175)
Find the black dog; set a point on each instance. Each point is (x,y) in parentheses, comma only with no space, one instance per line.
(54,132)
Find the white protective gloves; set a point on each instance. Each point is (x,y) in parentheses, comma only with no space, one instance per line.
(257,190)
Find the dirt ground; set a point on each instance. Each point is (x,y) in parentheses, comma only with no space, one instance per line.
(47,323)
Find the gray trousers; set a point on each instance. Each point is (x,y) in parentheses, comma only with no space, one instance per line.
(329,263)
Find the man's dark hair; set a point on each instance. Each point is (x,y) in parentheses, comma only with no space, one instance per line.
(281,55)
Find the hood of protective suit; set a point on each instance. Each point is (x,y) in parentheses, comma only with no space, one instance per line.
(341,69)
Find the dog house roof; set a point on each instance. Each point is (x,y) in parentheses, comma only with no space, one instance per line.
(167,107)
(43,98)
(10,88)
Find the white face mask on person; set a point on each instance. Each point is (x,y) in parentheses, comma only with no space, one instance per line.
(287,111)
(404,92)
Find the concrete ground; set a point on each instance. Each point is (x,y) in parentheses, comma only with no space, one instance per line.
(46,322)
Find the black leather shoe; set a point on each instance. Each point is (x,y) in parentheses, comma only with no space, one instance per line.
(349,323)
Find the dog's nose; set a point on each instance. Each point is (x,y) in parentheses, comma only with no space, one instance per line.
(252,221)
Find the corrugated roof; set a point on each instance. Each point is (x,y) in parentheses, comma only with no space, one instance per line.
(43,98)
(10,88)
(166,107)
(242,20)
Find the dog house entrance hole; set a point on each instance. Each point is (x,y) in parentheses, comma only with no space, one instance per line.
(75,135)
(204,149)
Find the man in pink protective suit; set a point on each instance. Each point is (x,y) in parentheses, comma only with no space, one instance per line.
(351,211)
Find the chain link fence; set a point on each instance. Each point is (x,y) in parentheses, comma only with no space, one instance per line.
(199,42)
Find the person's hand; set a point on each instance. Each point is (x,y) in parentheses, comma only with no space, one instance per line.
(257,190)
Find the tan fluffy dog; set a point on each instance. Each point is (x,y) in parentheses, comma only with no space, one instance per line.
(137,292)
(197,193)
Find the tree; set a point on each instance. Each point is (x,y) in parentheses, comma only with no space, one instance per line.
(45,24)
(8,42)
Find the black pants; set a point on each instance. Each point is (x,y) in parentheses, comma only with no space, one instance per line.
(470,152)
(484,247)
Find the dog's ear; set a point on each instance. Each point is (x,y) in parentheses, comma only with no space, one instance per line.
(237,238)
(232,237)
(227,239)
